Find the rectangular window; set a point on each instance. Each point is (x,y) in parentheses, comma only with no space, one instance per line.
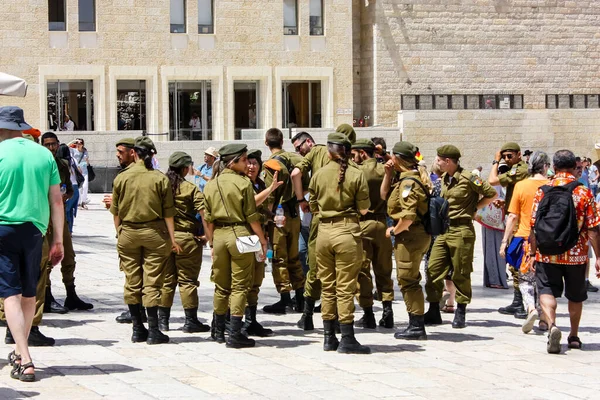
(87,15)
(177,16)
(70,101)
(461,102)
(206,19)
(131,105)
(302,104)
(316,17)
(591,101)
(190,110)
(290,17)
(57,15)
(245,106)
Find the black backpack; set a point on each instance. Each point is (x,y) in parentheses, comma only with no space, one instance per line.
(556,230)
(435,221)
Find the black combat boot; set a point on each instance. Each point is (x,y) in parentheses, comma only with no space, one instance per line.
(125,317)
(51,305)
(349,344)
(299,300)
(330,341)
(192,324)
(73,302)
(228,321)
(237,340)
(218,328)
(387,318)
(164,314)
(38,339)
(460,316)
(140,333)
(520,312)
(155,336)
(306,321)
(368,319)
(513,307)
(252,327)
(281,306)
(415,329)
(433,315)
(9,339)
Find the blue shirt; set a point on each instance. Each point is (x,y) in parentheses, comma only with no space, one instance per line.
(204,169)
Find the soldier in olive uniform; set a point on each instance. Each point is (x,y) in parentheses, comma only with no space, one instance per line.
(511,153)
(466,193)
(407,205)
(378,248)
(183,269)
(287,269)
(143,209)
(230,212)
(339,246)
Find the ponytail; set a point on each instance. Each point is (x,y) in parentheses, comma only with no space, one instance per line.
(175,178)
(340,155)
(146,156)
(411,164)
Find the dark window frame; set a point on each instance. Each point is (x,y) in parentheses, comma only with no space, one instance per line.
(56,21)
(204,29)
(87,26)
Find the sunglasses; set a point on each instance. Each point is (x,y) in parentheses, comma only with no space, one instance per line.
(300,145)
(507,156)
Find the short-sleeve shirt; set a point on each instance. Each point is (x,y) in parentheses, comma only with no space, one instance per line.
(374,173)
(141,195)
(207,170)
(331,199)
(317,158)
(407,200)
(522,203)
(285,192)
(27,170)
(463,190)
(189,201)
(517,173)
(587,214)
(229,199)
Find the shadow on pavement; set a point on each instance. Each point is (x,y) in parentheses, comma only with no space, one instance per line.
(79,370)
(69,323)
(190,339)
(482,310)
(7,393)
(283,344)
(84,342)
(400,347)
(456,337)
(492,323)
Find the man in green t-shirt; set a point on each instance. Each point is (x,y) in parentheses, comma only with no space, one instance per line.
(29,197)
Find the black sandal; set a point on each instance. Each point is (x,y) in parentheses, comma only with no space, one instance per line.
(18,372)
(12,358)
(574,342)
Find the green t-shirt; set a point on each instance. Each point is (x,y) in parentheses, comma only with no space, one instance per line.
(27,170)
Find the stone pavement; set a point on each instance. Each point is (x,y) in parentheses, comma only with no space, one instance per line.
(94,358)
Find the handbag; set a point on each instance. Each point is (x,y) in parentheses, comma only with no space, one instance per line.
(244,244)
(78,175)
(91,173)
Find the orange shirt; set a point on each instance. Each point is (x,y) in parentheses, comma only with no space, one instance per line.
(521,203)
(587,213)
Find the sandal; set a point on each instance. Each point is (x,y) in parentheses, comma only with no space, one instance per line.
(18,372)
(574,342)
(13,357)
(449,309)
(543,326)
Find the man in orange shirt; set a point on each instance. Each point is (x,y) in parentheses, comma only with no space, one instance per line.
(567,270)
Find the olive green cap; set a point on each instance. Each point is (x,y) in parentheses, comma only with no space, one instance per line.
(127,142)
(449,151)
(180,159)
(338,138)
(510,146)
(233,149)
(405,149)
(145,142)
(255,154)
(28,136)
(366,144)
(348,131)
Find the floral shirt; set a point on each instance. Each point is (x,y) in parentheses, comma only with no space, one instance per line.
(587,213)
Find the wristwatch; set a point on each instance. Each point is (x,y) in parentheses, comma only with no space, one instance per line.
(495,162)
(301,200)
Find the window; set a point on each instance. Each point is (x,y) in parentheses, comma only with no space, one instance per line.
(461,102)
(205,16)
(177,16)
(56,15)
(290,17)
(131,105)
(245,97)
(572,101)
(72,98)
(302,104)
(87,15)
(316,17)
(190,110)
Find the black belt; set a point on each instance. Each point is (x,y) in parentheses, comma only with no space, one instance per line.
(461,221)
(352,218)
(224,224)
(373,217)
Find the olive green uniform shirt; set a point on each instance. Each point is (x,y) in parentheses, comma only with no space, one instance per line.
(284,192)
(463,190)
(374,173)
(509,179)
(408,200)
(237,203)
(332,200)
(140,195)
(317,158)
(189,201)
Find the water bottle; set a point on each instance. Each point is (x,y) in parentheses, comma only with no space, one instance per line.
(197,180)
(63,189)
(269,252)
(279,216)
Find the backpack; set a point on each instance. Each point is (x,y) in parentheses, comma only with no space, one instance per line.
(556,230)
(435,221)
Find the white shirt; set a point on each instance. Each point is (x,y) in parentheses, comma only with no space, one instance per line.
(195,123)
(69,126)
